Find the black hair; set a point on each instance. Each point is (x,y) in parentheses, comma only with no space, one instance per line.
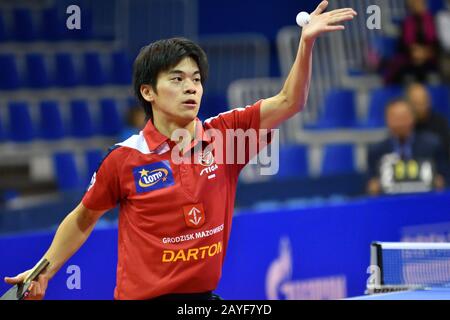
(160,56)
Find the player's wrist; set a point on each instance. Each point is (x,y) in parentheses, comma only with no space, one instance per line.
(307,36)
(50,271)
(307,41)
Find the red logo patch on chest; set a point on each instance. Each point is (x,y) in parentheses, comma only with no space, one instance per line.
(194,215)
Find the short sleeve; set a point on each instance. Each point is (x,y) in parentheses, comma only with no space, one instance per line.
(242,133)
(104,190)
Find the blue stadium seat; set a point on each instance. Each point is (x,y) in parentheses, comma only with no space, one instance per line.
(20,122)
(9,194)
(51,123)
(121,69)
(81,119)
(24,28)
(93,159)
(384,47)
(9,75)
(338,159)
(111,122)
(293,162)
(66,171)
(379,98)
(440,99)
(37,71)
(94,73)
(66,74)
(52,27)
(339,110)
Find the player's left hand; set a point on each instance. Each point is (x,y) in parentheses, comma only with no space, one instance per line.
(322,22)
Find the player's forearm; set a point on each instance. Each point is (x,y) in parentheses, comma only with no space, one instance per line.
(296,87)
(70,236)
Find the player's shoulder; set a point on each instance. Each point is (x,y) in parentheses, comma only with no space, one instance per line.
(223,119)
(135,143)
(114,156)
(219,121)
(120,151)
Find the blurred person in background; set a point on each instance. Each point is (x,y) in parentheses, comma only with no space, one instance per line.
(161,199)
(428,120)
(417,57)
(443,30)
(135,121)
(405,144)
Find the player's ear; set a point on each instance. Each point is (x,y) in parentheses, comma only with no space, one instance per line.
(147,92)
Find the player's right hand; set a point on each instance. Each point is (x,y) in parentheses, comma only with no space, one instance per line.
(37,288)
(322,22)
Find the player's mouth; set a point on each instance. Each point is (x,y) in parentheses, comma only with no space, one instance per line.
(191,103)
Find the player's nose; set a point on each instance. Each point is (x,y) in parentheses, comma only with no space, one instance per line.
(189,87)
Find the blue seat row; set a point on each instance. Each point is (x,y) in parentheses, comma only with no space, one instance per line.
(44,25)
(51,125)
(338,159)
(339,109)
(65,162)
(66,73)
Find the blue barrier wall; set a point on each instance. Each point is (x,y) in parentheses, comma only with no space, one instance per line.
(320,252)
(328,251)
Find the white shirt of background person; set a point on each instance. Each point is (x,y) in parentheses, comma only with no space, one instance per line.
(443,27)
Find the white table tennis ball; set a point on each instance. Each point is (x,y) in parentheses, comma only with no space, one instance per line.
(303,18)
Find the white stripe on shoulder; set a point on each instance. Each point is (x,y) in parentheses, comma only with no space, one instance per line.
(137,142)
(224,113)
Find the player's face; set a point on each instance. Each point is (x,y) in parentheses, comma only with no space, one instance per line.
(179,93)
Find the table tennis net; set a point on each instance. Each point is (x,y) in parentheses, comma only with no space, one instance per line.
(406,266)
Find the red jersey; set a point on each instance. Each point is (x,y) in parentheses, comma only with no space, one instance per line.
(175,218)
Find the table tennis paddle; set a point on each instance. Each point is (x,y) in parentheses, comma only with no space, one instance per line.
(21,291)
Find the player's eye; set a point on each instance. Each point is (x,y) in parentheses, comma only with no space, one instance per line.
(177,79)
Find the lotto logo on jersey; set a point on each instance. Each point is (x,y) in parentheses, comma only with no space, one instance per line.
(153,177)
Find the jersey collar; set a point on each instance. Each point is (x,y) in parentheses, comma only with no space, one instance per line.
(155,139)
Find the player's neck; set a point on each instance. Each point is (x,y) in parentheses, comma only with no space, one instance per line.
(166,127)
